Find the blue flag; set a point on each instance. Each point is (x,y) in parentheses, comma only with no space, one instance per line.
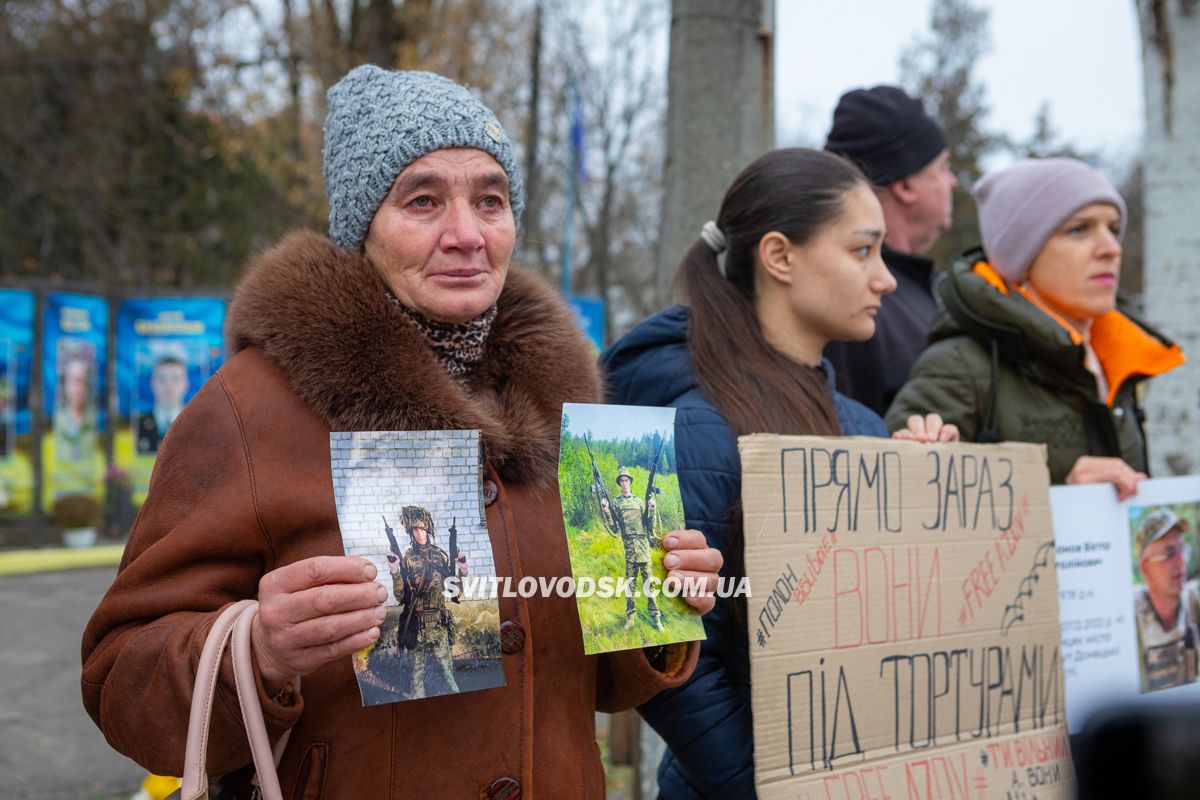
(577,132)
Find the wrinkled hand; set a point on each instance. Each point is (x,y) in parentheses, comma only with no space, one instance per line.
(1106,469)
(312,612)
(689,556)
(928,429)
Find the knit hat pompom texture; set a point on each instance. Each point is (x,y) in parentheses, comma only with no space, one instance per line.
(1021,207)
(380,121)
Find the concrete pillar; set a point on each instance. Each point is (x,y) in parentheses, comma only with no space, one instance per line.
(720,117)
(720,114)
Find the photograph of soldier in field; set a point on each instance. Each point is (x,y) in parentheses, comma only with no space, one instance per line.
(411,502)
(629,518)
(619,488)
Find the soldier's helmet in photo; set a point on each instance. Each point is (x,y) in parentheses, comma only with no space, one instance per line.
(1156,525)
(624,472)
(417,517)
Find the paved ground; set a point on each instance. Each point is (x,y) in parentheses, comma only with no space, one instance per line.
(49,748)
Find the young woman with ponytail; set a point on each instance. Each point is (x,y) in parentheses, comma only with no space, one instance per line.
(791,263)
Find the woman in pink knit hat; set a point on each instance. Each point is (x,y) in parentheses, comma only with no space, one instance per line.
(1032,345)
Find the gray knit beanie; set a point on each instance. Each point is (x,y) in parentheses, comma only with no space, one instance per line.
(1022,206)
(380,121)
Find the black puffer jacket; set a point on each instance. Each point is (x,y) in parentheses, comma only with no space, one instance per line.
(706,722)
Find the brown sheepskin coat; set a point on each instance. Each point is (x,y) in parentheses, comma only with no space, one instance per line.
(243,485)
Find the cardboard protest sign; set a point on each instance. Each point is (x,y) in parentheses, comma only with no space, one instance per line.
(1129,594)
(904,638)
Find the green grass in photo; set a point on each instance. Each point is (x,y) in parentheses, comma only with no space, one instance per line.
(595,553)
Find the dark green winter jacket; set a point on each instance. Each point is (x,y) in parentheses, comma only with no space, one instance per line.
(1037,389)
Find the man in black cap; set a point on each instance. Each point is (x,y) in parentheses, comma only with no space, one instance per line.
(903,151)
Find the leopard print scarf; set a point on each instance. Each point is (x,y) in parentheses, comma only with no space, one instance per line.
(458,348)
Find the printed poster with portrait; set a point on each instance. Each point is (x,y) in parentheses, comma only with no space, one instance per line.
(74,362)
(16,364)
(1129,593)
(167,348)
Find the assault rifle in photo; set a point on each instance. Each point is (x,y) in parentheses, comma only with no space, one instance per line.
(392,541)
(651,490)
(453,553)
(406,637)
(598,489)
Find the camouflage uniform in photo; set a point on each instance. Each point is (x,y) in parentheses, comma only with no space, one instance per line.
(637,540)
(378,666)
(425,633)
(1168,653)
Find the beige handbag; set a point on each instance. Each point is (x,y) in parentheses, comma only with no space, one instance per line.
(232,628)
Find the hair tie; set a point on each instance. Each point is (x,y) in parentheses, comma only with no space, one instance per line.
(713,237)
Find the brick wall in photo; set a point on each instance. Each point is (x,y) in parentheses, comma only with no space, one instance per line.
(375,473)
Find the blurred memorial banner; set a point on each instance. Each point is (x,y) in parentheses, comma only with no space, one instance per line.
(167,347)
(904,637)
(1129,593)
(16,363)
(74,361)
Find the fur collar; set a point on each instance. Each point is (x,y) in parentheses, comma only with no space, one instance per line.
(324,317)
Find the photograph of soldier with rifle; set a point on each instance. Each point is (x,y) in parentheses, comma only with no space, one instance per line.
(425,632)
(402,500)
(620,498)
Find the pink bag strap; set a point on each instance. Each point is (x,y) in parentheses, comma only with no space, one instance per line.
(231,628)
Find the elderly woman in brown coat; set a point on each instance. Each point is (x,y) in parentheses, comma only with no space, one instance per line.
(409,319)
